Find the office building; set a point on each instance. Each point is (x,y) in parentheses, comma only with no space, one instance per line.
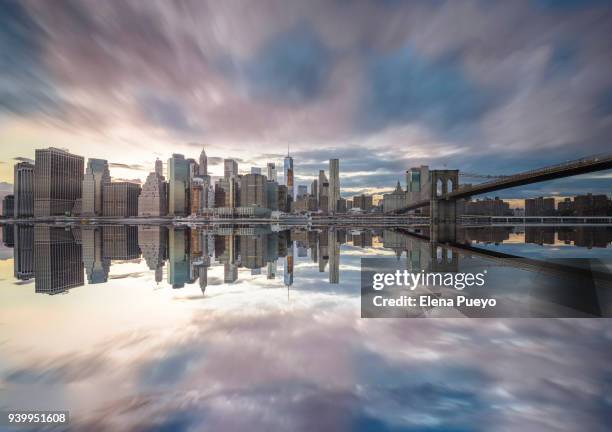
(304,204)
(58,181)
(159,167)
(253,191)
(23,190)
(334,185)
(487,207)
(540,206)
(364,202)
(203,168)
(323,191)
(288,171)
(302,191)
(96,176)
(153,199)
(592,205)
(255,170)
(230,168)
(272,195)
(395,200)
(283,199)
(418,184)
(178,185)
(199,195)
(271,174)
(120,199)
(8,206)
(314,190)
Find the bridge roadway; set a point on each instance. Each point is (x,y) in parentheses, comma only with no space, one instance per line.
(565,169)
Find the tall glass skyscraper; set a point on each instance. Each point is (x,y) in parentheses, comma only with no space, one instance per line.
(288,165)
(178,184)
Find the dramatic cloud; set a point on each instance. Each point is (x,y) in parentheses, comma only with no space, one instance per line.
(496,84)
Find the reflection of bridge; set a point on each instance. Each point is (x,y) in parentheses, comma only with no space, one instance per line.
(440,255)
(445,190)
(468,220)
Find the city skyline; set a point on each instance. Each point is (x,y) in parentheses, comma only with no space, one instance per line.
(381,98)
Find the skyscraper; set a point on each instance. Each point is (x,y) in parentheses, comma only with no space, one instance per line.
(203,163)
(302,191)
(58,181)
(96,175)
(159,167)
(23,188)
(8,206)
(418,184)
(288,165)
(253,191)
(323,191)
(153,199)
(334,184)
(272,171)
(230,168)
(120,199)
(178,179)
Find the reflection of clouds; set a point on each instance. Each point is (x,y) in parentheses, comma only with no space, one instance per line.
(305,368)
(251,356)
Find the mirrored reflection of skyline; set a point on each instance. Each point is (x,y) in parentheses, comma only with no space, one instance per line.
(205,326)
(56,256)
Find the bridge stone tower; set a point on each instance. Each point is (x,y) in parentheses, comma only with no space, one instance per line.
(443,210)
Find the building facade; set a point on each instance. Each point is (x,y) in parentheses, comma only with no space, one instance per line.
(8,206)
(153,199)
(23,190)
(323,185)
(288,171)
(271,174)
(96,175)
(120,199)
(364,202)
(334,185)
(58,181)
(540,206)
(203,168)
(418,184)
(253,191)
(178,185)
(230,168)
(395,200)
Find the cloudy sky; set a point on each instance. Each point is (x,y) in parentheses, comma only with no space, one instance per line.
(486,87)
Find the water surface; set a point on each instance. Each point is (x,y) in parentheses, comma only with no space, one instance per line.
(259,328)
